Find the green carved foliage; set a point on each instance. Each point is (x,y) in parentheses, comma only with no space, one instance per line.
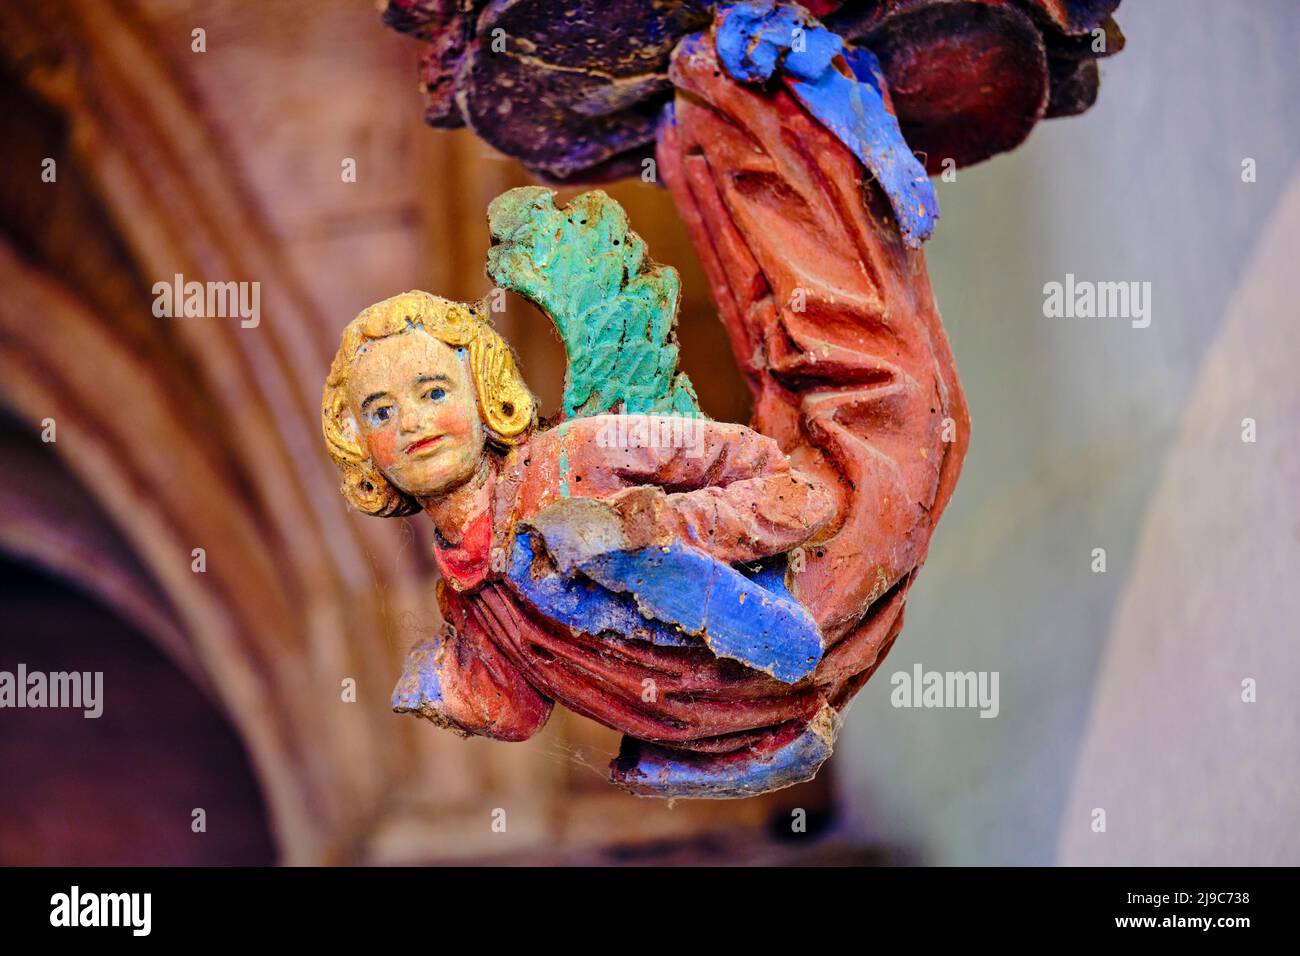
(615,310)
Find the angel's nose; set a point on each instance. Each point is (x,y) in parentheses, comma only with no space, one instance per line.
(408,417)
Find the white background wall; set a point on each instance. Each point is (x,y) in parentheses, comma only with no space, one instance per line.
(1077,445)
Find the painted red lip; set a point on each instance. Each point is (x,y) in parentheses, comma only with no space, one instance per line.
(423,443)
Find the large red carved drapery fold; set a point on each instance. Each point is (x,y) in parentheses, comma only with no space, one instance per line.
(833,323)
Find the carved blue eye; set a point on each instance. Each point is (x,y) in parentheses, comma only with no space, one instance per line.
(381,414)
(436,394)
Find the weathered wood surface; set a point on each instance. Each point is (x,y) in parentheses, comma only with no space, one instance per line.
(832,322)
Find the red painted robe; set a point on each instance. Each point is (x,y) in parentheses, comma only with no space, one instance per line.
(856,384)
(732,495)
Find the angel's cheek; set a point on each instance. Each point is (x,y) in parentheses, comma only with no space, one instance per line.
(382,446)
(459,424)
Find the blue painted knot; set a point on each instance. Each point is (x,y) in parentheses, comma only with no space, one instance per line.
(757,38)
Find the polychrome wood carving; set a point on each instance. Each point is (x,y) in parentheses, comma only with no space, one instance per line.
(716,592)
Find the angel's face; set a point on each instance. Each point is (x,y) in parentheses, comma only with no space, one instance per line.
(413,400)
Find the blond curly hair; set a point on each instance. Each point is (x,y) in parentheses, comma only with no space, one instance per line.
(507,408)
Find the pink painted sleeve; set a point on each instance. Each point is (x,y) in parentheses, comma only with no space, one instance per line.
(717,486)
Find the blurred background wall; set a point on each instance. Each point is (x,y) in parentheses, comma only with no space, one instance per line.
(223,689)
(1119,690)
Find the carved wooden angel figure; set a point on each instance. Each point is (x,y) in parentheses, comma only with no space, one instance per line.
(721,595)
(628,560)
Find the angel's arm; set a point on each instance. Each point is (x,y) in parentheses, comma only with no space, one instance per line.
(659,527)
(715,486)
